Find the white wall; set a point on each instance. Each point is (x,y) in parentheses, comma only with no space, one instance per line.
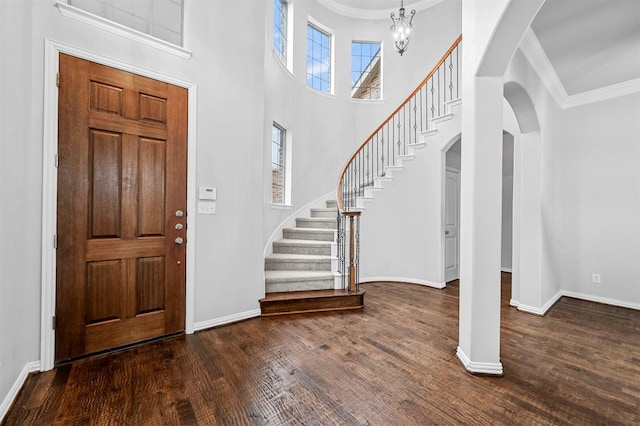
(240,91)
(20,194)
(327,129)
(601,199)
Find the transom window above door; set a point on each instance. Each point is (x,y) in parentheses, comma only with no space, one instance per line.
(161,19)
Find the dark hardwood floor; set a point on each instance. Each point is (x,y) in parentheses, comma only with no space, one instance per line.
(392,363)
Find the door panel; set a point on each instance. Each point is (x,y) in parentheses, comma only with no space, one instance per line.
(452,215)
(122,146)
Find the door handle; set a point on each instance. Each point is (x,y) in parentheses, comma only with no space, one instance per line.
(179,240)
(446,232)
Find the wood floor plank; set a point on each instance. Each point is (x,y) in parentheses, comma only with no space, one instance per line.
(392,363)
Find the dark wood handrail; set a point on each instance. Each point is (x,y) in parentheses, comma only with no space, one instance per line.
(385,122)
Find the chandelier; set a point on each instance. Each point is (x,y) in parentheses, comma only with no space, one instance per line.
(401,29)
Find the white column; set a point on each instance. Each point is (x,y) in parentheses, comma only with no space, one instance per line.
(480,225)
(530,262)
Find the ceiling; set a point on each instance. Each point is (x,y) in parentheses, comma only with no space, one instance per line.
(590,44)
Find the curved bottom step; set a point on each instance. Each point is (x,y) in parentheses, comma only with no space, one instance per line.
(296,302)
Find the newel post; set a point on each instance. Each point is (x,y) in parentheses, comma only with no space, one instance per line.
(354,249)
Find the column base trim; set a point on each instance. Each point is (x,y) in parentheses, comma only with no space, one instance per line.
(494,369)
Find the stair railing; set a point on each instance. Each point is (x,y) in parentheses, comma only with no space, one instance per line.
(384,148)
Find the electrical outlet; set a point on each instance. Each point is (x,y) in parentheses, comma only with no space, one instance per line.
(595,278)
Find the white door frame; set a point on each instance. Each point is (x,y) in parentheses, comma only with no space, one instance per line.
(49,188)
(444,238)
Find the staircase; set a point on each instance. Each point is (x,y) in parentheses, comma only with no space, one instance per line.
(299,274)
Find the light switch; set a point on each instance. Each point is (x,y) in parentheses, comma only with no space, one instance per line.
(207,207)
(207,193)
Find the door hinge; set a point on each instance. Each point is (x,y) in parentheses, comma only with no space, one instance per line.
(53,322)
(58,79)
(55,160)
(55,241)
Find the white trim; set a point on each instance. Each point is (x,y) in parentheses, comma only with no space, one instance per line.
(535,54)
(600,299)
(374,14)
(49,185)
(28,368)
(509,270)
(404,280)
(96,21)
(479,367)
(603,93)
(533,51)
(515,303)
(199,326)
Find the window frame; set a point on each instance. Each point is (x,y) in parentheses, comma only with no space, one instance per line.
(353,90)
(284,163)
(315,25)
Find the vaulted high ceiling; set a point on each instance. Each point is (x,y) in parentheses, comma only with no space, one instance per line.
(590,44)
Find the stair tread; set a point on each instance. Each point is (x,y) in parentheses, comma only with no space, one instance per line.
(318,230)
(296,275)
(317,219)
(291,241)
(296,256)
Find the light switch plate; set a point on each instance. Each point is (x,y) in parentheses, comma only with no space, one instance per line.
(207,207)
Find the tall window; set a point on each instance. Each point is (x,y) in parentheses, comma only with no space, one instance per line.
(366,71)
(318,59)
(280,29)
(158,18)
(278,165)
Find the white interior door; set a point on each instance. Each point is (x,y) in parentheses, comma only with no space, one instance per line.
(452,226)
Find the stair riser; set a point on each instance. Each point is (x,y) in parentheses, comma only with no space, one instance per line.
(332,204)
(301,249)
(325,224)
(275,287)
(287,265)
(325,214)
(296,234)
(355,301)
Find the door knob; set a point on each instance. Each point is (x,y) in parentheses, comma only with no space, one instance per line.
(446,232)
(179,240)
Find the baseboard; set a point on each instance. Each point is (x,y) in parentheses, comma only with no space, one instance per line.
(30,367)
(515,303)
(509,270)
(495,369)
(404,280)
(599,299)
(226,320)
(544,309)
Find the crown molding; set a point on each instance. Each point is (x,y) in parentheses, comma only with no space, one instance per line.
(374,14)
(535,54)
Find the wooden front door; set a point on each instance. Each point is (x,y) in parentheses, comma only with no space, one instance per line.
(121,208)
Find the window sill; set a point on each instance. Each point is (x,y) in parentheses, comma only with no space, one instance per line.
(281,206)
(318,92)
(121,30)
(282,64)
(367,101)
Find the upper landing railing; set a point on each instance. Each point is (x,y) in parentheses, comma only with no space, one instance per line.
(381,150)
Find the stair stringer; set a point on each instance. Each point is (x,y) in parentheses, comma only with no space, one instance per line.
(401,230)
